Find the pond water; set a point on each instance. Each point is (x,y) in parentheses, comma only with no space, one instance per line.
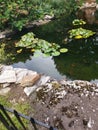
(80,62)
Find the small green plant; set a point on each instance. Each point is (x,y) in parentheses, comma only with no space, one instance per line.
(39,45)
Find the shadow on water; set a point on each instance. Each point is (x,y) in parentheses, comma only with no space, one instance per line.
(80,62)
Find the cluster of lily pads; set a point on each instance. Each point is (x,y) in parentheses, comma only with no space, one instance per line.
(29,41)
(80,32)
(78,22)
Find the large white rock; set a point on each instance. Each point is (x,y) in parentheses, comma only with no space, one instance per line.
(8,76)
(7,68)
(20,73)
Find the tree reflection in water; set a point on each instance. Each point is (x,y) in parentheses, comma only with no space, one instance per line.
(81,62)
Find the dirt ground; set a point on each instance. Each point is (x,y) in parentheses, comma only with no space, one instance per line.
(77,109)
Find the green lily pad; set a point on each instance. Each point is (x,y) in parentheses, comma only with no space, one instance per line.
(48,49)
(78,22)
(63,50)
(80,33)
(56,53)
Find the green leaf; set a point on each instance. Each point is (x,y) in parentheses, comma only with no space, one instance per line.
(80,33)
(46,55)
(56,53)
(63,50)
(29,41)
(37,53)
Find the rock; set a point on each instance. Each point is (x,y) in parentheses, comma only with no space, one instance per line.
(90,123)
(7,68)
(4,91)
(48,17)
(30,72)
(2,36)
(29,80)
(20,73)
(1,66)
(43,80)
(8,76)
(5,85)
(29,90)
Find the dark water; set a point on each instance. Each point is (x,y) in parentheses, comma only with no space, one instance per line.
(80,62)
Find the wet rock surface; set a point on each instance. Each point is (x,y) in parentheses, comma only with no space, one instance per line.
(66,105)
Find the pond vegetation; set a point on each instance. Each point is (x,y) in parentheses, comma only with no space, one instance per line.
(80,32)
(38,46)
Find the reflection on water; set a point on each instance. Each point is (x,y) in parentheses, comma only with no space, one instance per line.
(41,65)
(81,62)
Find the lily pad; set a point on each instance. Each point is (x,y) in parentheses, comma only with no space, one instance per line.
(78,22)
(80,33)
(56,53)
(34,44)
(63,50)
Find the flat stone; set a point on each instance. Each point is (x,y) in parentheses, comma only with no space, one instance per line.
(5,85)
(20,73)
(29,90)
(4,91)
(18,70)
(7,68)
(8,76)
(29,80)
(43,80)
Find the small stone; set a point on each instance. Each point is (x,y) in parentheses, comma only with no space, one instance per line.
(29,90)
(29,80)
(48,17)
(90,123)
(5,85)
(85,122)
(43,80)
(2,36)
(71,124)
(4,91)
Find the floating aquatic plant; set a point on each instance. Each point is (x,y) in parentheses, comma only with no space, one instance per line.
(79,33)
(78,22)
(39,45)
